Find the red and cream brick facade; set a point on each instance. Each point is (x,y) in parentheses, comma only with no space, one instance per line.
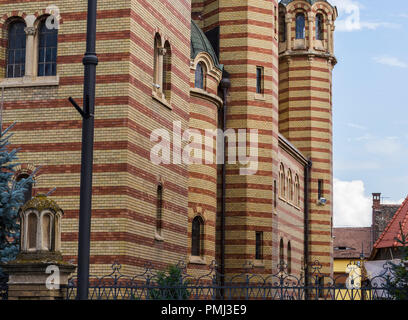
(292,115)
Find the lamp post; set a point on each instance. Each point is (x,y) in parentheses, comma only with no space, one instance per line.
(90,62)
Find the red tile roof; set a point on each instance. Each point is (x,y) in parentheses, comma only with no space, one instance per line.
(393,231)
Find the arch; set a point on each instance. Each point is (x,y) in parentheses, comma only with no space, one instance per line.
(47,48)
(200,72)
(46,230)
(16,48)
(166,82)
(300,25)
(290,185)
(32,227)
(319,26)
(156,63)
(282,182)
(289,255)
(159,210)
(28,193)
(197,235)
(281,253)
(297,190)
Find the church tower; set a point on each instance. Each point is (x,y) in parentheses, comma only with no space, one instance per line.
(306,61)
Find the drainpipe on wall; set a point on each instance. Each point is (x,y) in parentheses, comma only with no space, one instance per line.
(306,222)
(225,86)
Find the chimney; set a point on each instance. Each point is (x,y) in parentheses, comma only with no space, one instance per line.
(376,200)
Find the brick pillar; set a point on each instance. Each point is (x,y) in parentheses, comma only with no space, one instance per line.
(28,277)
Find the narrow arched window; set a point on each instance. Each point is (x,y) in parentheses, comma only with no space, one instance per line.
(16,50)
(32,230)
(281,253)
(159,210)
(199,76)
(46,232)
(300,26)
(282,181)
(196,237)
(282,27)
(47,50)
(289,258)
(157,64)
(297,191)
(290,186)
(28,192)
(166,71)
(319,27)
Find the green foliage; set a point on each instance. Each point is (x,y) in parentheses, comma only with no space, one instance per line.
(11,198)
(399,284)
(170,285)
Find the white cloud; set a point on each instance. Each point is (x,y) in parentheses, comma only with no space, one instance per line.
(349,17)
(356,126)
(351,207)
(391,61)
(387,146)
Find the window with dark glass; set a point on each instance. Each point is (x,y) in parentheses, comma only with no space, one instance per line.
(289,258)
(300,26)
(159,210)
(196,233)
(282,28)
(259,80)
(258,246)
(320,189)
(199,76)
(319,27)
(275,194)
(28,187)
(281,253)
(47,50)
(16,51)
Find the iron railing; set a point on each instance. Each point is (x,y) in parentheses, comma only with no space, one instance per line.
(3,287)
(176,284)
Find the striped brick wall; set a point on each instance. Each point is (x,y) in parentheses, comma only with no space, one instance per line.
(125,181)
(305,117)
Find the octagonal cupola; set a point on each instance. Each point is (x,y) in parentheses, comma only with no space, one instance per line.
(40,221)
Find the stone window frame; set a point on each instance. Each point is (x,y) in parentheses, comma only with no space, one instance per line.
(162,57)
(282,182)
(31,78)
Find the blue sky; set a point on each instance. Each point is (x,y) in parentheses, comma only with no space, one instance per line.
(370,109)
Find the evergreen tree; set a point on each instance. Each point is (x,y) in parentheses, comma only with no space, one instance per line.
(11,198)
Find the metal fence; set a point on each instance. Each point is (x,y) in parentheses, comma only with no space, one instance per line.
(176,284)
(3,287)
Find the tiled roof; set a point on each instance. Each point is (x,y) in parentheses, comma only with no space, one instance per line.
(392,231)
(349,242)
(200,43)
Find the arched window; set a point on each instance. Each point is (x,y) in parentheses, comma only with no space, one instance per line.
(282,181)
(16,50)
(282,27)
(281,253)
(28,193)
(196,237)
(47,50)
(157,64)
(46,232)
(32,231)
(300,26)
(290,186)
(159,210)
(289,258)
(319,27)
(297,190)
(166,71)
(199,76)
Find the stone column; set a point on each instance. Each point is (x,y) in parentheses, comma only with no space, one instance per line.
(29,66)
(288,21)
(310,20)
